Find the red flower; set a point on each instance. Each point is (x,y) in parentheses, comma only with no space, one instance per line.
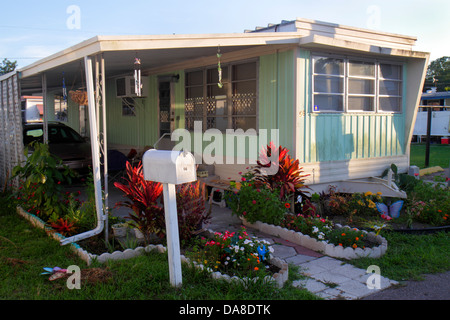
(254,201)
(63,226)
(287,205)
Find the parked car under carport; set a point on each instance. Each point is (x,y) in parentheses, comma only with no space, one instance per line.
(64,143)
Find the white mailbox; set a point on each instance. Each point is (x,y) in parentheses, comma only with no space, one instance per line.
(170,168)
(165,166)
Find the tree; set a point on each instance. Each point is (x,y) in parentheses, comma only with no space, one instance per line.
(7,66)
(438,74)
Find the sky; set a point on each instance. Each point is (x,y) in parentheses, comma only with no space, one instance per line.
(31,30)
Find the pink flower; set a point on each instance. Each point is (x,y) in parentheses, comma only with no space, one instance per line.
(254,201)
(243,179)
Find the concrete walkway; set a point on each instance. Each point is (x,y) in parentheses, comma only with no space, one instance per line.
(326,277)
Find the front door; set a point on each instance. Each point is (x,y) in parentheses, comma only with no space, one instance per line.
(164,108)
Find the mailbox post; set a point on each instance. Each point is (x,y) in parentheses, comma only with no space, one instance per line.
(170,168)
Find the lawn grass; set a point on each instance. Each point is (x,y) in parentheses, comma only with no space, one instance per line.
(409,256)
(25,251)
(439,155)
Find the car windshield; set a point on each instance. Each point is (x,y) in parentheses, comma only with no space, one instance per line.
(56,134)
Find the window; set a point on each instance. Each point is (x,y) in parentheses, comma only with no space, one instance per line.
(128,107)
(328,84)
(354,85)
(231,106)
(390,86)
(60,108)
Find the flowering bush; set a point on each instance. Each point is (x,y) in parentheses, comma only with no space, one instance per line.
(311,225)
(346,237)
(234,253)
(363,204)
(255,201)
(430,204)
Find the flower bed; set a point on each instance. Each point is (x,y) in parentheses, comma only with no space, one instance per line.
(280,277)
(236,254)
(332,250)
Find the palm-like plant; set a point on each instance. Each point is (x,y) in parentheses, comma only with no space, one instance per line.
(288,179)
(143,198)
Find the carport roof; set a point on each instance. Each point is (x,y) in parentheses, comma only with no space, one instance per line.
(154,51)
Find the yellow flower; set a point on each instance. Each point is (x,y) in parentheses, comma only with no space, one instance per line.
(368,193)
(379,193)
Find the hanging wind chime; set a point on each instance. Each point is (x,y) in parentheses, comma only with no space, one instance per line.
(64,89)
(137,77)
(219,68)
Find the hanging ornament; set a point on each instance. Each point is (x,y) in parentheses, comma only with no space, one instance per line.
(219,68)
(137,77)
(64,89)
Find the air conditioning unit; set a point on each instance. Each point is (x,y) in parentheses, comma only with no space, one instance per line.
(125,87)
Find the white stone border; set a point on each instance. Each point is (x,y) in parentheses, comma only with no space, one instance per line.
(321,246)
(280,278)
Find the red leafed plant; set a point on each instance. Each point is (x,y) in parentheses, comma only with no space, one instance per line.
(288,179)
(191,208)
(143,198)
(146,201)
(63,226)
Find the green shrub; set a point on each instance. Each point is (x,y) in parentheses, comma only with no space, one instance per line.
(437,203)
(42,177)
(255,201)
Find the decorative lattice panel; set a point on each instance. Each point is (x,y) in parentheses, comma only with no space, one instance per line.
(11,144)
(244,104)
(193,111)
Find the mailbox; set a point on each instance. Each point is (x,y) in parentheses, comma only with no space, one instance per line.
(170,168)
(165,166)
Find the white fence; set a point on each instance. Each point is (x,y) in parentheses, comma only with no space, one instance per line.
(440,123)
(11,140)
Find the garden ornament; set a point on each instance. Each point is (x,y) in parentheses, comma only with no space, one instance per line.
(262,250)
(219,68)
(55,273)
(392,211)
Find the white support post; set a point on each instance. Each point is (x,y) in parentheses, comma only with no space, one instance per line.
(173,238)
(105,142)
(95,158)
(44,108)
